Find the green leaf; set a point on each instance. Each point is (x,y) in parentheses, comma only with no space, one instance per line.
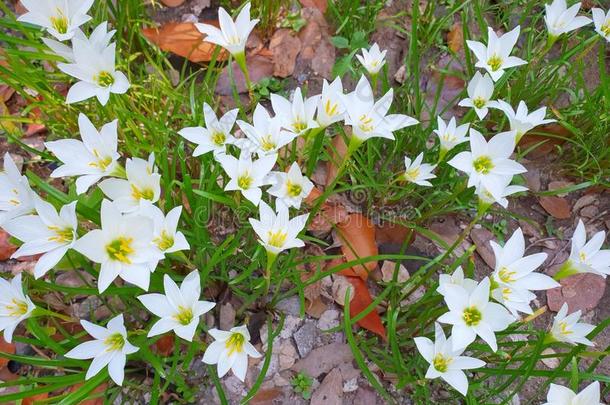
(340,42)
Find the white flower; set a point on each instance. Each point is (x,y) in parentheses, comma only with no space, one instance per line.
(560,19)
(559,395)
(166,237)
(368,118)
(514,274)
(450,135)
(457,278)
(99,39)
(505,189)
(110,347)
(96,72)
(588,257)
(216,134)
(61,18)
(179,309)
(123,247)
(15,306)
(488,163)
(602,22)
(472,314)
(445,361)
(495,57)
(143,184)
(48,232)
(330,107)
(296,116)
(521,121)
(266,136)
(372,59)
(247,176)
(230,351)
(16,196)
(567,329)
(290,188)
(93,158)
(480,89)
(418,172)
(232,35)
(277,232)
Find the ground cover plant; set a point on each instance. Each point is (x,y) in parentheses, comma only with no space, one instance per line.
(253,203)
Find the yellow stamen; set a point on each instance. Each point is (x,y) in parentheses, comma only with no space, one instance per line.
(219,138)
(244,181)
(365,123)
(17,308)
(142,194)
(563,327)
(507,275)
(267,143)
(472,316)
(277,239)
(479,102)
(412,174)
(101,163)
(293,189)
(331,109)
(120,249)
(184,315)
(164,241)
(104,79)
(62,235)
(495,62)
(60,22)
(441,363)
(235,344)
(483,164)
(114,342)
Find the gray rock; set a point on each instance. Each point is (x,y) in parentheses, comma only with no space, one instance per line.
(305,338)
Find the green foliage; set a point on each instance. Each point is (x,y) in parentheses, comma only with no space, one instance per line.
(302,384)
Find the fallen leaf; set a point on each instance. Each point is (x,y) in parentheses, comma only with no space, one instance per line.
(455,37)
(481,238)
(6,247)
(558,207)
(552,135)
(329,215)
(357,235)
(582,292)
(284,46)
(319,4)
(165,345)
(34,398)
(266,396)
(185,40)
(259,66)
(361,300)
(96,401)
(5,347)
(173,3)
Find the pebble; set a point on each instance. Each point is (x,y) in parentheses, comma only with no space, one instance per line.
(305,338)
(287,354)
(329,319)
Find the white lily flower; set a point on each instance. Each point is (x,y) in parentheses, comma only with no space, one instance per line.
(296,116)
(418,172)
(559,395)
(368,118)
(488,163)
(230,351)
(48,232)
(521,121)
(567,329)
(99,39)
(61,18)
(109,347)
(472,314)
(457,278)
(495,57)
(277,232)
(265,136)
(514,275)
(246,175)
(179,309)
(372,59)
(586,257)
(232,35)
(123,247)
(560,19)
(602,22)
(330,107)
(290,188)
(95,69)
(143,184)
(92,158)
(505,189)
(480,90)
(15,306)
(166,237)
(215,136)
(445,361)
(450,135)
(16,196)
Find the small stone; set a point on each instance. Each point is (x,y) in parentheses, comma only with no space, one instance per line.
(387,272)
(227,316)
(580,291)
(290,306)
(323,359)
(589,211)
(280,381)
(350,385)
(550,362)
(305,338)
(288,355)
(329,319)
(340,288)
(481,238)
(291,323)
(532,179)
(584,201)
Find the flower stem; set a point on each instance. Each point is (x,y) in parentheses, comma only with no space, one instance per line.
(566,270)
(240,58)
(270,261)
(38,312)
(374,78)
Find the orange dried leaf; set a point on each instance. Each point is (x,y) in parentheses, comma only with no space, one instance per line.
(357,235)
(319,4)
(5,347)
(183,39)
(165,345)
(455,37)
(361,300)
(558,207)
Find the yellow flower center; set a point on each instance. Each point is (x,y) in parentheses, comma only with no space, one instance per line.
(483,164)
(293,189)
(506,293)
(235,344)
(412,174)
(219,138)
(495,62)
(330,108)
(120,249)
(563,329)
(62,235)
(472,316)
(277,239)
(102,162)
(142,194)
(441,363)
(479,102)
(245,181)
(104,79)
(506,275)
(17,308)
(60,22)
(233,40)
(184,315)
(299,125)
(114,342)
(449,138)
(606,28)
(365,123)
(164,241)
(15,201)
(267,143)
(583,257)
